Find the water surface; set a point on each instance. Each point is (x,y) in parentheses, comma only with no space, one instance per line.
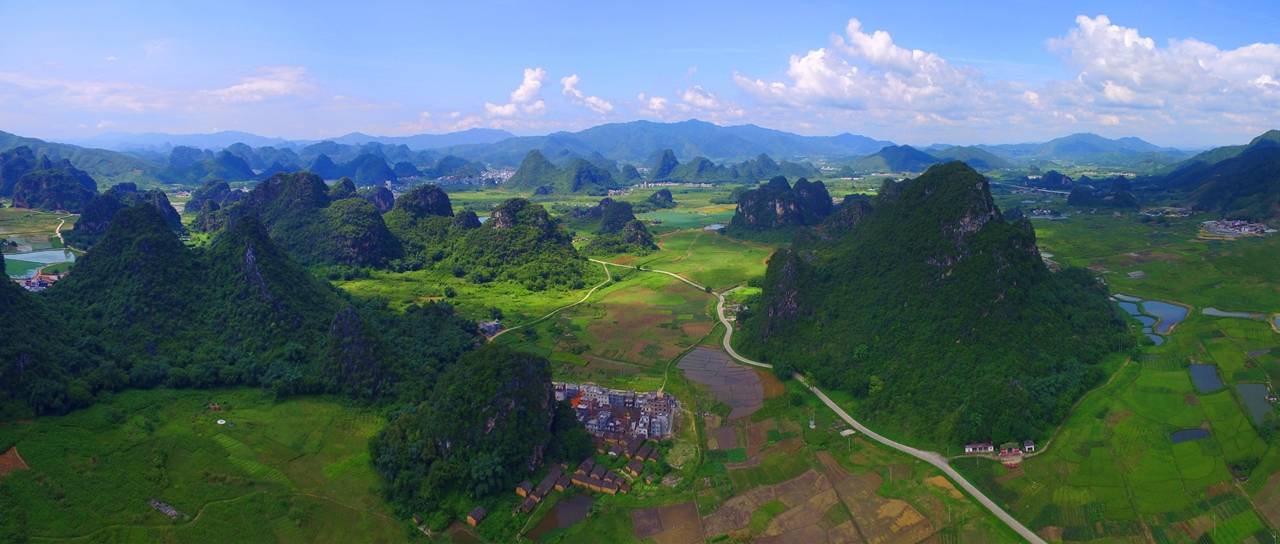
(43,257)
(1205,378)
(1169,315)
(564,514)
(1254,396)
(1187,435)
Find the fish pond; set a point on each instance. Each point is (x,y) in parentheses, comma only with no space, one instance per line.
(1158,318)
(1205,378)
(1187,435)
(1254,396)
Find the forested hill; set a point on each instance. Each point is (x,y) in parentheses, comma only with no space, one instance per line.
(936,312)
(1236,181)
(143,310)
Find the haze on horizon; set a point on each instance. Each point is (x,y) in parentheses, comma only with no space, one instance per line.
(1188,75)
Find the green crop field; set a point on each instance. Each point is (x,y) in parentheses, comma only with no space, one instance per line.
(709,258)
(31,229)
(293,471)
(1112,472)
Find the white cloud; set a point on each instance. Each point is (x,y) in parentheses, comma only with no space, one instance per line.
(569,87)
(1119,67)
(524,98)
(270,82)
(653,105)
(868,71)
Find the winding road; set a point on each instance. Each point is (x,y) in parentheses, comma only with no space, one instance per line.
(933,458)
(607,278)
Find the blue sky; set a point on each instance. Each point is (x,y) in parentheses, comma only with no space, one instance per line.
(1187,73)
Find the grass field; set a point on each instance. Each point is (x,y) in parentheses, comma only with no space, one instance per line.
(292,471)
(518,304)
(709,258)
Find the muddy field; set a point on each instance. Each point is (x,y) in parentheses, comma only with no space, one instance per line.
(735,385)
(673,524)
(10,461)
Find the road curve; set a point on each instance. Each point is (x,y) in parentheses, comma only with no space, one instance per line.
(933,458)
(607,277)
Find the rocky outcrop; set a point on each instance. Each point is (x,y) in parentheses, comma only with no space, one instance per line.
(665,164)
(344,188)
(354,366)
(777,204)
(662,199)
(426,200)
(381,197)
(54,186)
(466,220)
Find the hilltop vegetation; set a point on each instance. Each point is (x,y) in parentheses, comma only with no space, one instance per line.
(936,313)
(616,229)
(97,215)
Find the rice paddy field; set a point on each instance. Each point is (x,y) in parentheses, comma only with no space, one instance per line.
(294,471)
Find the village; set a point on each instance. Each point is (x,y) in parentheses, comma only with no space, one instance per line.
(618,416)
(624,425)
(1235,228)
(1010,454)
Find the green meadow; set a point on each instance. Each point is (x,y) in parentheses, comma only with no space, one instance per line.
(295,471)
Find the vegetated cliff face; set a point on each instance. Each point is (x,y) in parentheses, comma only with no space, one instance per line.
(538,174)
(779,204)
(1243,183)
(53,185)
(520,242)
(616,229)
(487,425)
(926,303)
(303,219)
(98,213)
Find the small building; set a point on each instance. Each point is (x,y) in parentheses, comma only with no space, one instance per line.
(979,447)
(527,506)
(586,466)
(634,467)
(598,472)
(1028,446)
(524,488)
(563,483)
(476,516)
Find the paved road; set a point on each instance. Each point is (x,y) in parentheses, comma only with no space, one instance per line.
(933,458)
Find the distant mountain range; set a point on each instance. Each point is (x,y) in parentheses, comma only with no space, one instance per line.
(1239,181)
(696,145)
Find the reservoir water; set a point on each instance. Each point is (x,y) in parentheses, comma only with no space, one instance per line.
(565,513)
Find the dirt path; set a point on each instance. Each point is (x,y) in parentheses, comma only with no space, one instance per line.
(933,458)
(607,278)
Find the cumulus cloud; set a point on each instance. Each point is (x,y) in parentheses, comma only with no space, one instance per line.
(524,98)
(569,87)
(91,95)
(270,82)
(868,71)
(696,100)
(1118,67)
(652,105)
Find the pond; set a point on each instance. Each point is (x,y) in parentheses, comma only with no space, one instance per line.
(1187,435)
(1205,378)
(1169,315)
(1254,396)
(1214,312)
(1130,306)
(24,265)
(564,514)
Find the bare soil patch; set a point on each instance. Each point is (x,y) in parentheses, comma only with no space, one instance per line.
(10,461)
(673,524)
(772,386)
(941,482)
(881,520)
(1267,501)
(723,438)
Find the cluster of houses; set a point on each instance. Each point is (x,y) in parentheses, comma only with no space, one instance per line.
(1235,227)
(1167,211)
(166,509)
(615,415)
(39,282)
(1010,454)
